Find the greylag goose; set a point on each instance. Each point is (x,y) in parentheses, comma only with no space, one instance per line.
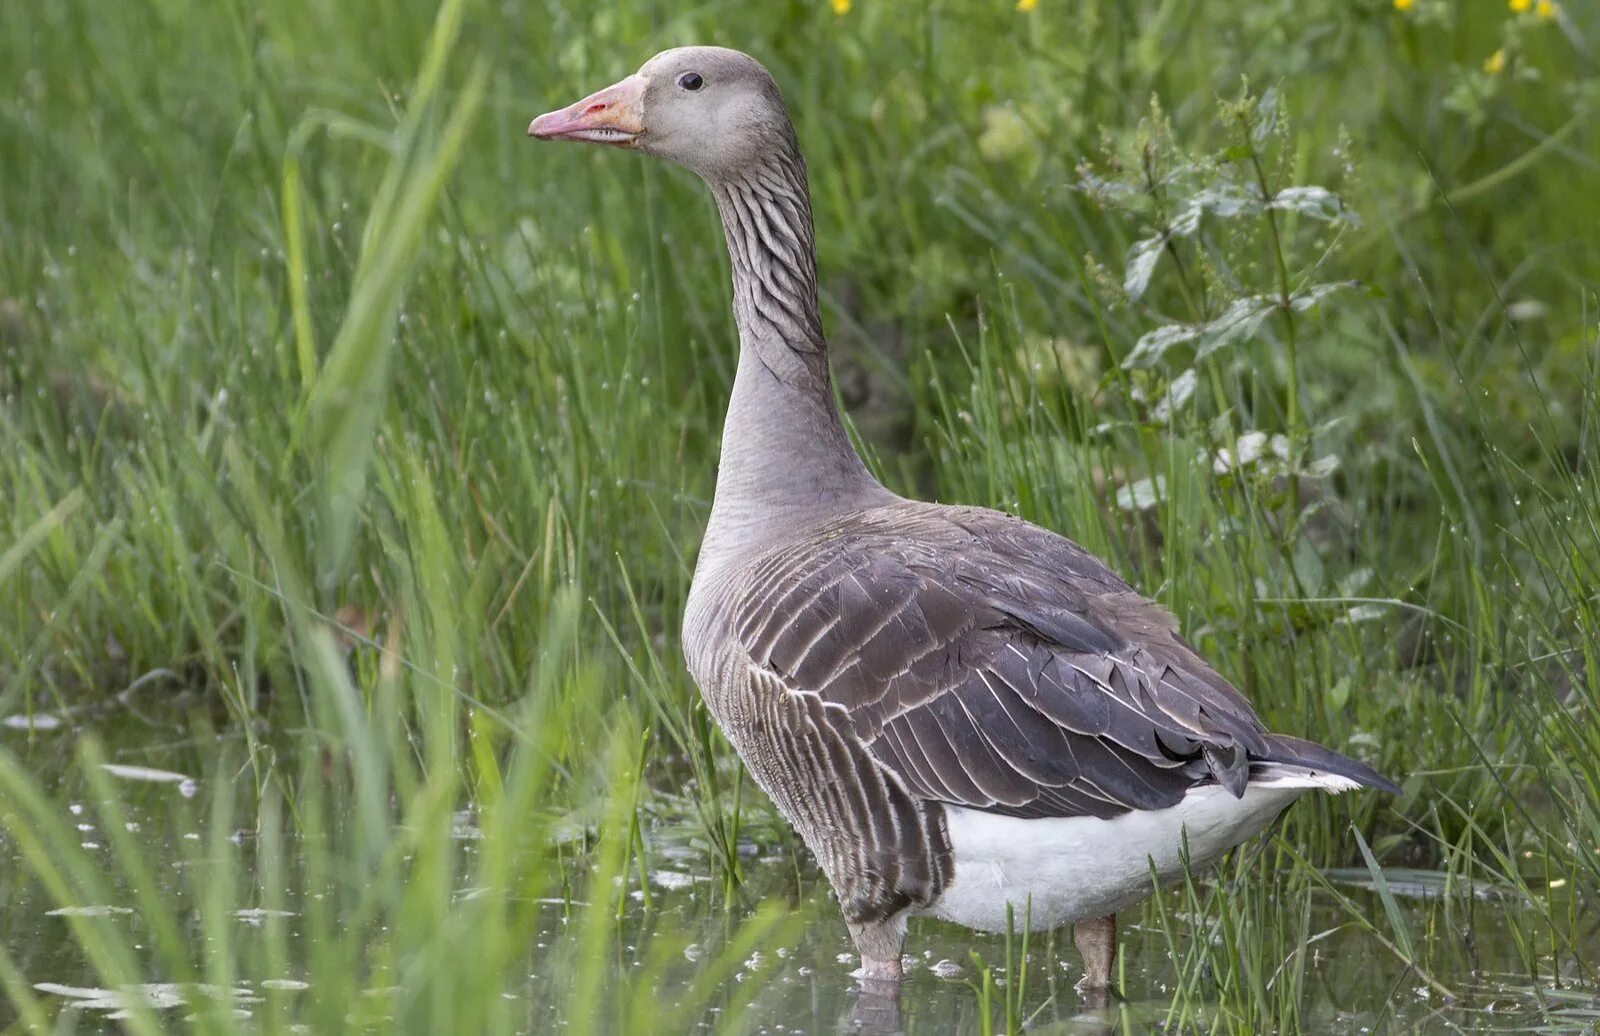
(957,711)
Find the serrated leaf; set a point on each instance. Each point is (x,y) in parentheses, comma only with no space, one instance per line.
(1227,199)
(1238,323)
(1152,345)
(1308,297)
(1250,447)
(1142,259)
(1177,394)
(1315,202)
(1266,116)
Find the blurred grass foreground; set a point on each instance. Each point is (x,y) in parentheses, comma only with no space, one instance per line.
(353,456)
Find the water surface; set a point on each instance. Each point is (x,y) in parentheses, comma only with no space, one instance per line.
(805,983)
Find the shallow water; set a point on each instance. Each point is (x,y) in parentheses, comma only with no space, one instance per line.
(805,984)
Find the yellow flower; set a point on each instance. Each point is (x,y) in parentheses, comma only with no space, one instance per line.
(1521,6)
(1545,9)
(1404,5)
(1496,63)
(1027,5)
(841,7)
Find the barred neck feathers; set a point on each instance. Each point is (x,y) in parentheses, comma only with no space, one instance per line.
(786,458)
(766,217)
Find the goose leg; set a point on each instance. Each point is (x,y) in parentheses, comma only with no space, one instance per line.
(881,972)
(1097,941)
(879,945)
(876,1011)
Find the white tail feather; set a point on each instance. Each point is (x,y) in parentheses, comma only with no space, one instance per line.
(1288,775)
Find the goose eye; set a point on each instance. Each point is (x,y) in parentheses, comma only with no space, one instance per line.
(691,81)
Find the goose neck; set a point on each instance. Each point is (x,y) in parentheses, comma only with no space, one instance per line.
(786,457)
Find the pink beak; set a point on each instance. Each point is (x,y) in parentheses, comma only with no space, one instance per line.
(615,116)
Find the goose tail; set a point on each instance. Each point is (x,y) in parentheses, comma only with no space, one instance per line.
(1304,764)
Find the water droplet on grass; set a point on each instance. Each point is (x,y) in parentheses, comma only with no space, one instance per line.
(37,721)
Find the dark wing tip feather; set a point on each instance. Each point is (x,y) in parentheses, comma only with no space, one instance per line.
(1230,765)
(1299,752)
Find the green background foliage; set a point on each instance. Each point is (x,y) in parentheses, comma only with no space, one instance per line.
(340,417)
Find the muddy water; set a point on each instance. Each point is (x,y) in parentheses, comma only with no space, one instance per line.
(805,984)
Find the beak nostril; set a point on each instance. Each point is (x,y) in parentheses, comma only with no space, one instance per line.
(609,116)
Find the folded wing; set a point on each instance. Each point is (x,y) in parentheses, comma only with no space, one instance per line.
(988,663)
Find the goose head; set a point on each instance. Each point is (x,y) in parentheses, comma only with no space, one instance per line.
(712,110)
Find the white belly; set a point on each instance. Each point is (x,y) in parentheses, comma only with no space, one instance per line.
(1059,870)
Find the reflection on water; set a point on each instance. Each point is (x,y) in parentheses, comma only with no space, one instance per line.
(805,985)
(98,910)
(188,787)
(162,996)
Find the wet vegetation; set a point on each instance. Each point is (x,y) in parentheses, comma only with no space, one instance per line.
(353,455)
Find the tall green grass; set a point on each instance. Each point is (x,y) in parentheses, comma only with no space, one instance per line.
(334,409)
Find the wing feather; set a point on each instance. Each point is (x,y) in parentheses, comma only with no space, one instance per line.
(987,663)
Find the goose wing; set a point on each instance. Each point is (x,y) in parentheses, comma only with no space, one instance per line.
(988,663)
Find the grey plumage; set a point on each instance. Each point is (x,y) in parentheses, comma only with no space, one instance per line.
(953,655)
(876,660)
